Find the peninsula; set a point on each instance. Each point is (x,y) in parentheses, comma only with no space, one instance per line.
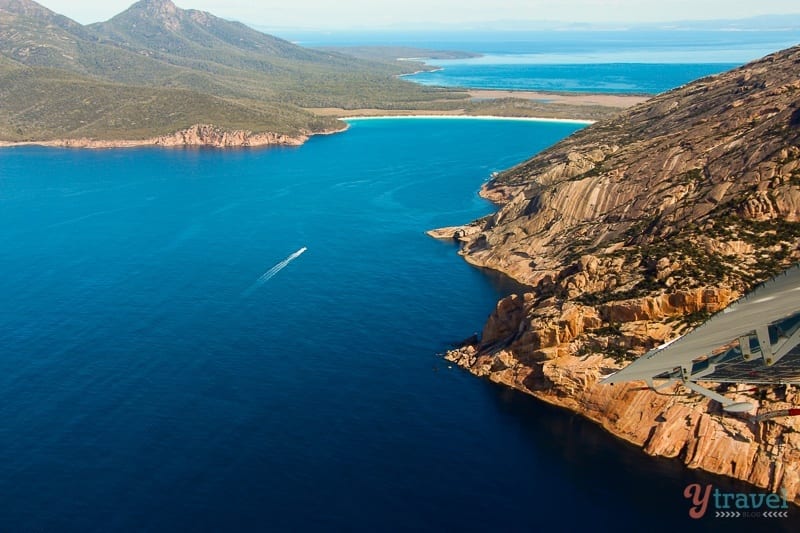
(631,232)
(160,75)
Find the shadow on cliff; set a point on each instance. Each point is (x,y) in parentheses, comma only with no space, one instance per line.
(643,490)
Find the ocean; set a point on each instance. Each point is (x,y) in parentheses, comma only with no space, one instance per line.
(171,358)
(607,78)
(624,62)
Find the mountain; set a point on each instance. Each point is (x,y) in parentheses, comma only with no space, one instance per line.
(31,10)
(634,230)
(37,37)
(51,105)
(262,66)
(97,80)
(159,25)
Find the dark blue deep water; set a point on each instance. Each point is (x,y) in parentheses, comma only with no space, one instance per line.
(143,387)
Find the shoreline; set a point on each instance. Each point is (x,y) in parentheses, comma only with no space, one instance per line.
(576,107)
(469,117)
(197,136)
(98,144)
(239,139)
(438,69)
(216,137)
(620,100)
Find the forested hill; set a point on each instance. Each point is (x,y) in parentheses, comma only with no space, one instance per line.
(156,68)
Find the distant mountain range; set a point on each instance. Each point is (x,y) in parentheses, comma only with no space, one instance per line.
(155,69)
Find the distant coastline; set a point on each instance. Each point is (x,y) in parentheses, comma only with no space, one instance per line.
(535,105)
(194,137)
(198,135)
(488,105)
(417,71)
(470,117)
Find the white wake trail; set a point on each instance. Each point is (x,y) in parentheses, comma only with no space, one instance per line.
(269,274)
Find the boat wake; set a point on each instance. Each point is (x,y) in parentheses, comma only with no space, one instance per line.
(269,274)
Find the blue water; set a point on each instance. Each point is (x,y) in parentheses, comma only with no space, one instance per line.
(690,46)
(603,62)
(636,78)
(632,61)
(149,382)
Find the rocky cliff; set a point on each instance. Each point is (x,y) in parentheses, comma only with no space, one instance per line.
(209,135)
(632,231)
(197,135)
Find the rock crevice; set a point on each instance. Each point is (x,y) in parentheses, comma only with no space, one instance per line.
(629,233)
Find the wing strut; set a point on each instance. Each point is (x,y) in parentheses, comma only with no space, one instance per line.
(774,414)
(727,404)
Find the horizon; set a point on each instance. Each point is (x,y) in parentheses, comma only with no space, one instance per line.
(386,16)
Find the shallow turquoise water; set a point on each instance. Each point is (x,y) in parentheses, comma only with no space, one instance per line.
(148,383)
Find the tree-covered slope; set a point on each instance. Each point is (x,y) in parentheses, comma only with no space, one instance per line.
(98,79)
(41,104)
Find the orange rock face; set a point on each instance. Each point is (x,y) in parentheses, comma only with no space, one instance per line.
(197,135)
(633,231)
(209,135)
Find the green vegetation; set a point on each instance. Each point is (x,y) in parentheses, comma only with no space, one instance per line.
(156,68)
(518,107)
(696,318)
(690,176)
(46,104)
(613,348)
(596,170)
(393,53)
(610,329)
(773,241)
(643,288)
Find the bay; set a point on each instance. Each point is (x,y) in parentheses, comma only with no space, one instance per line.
(601,78)
(151,379)
(613,60)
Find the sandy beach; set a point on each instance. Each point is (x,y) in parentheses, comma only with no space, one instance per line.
(608,100)
(472,117)
(616,101)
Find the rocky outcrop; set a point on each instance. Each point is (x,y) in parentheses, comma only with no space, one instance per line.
(670,424)
(558,351)
(197,135)
(455,233)
(726,144)
(629,233)
(209,135)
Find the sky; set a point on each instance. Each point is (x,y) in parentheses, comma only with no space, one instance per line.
(408,14)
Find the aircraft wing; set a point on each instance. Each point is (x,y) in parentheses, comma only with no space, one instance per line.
(754,340)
